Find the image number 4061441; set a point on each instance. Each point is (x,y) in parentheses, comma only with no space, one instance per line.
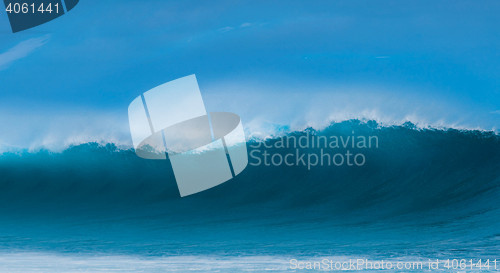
(25,14)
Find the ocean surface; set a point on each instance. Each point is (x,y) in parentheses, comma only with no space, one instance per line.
(420,194)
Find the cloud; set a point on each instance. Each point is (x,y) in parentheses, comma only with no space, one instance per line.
(229,28)
(21,50)
(495,112)
(226,29)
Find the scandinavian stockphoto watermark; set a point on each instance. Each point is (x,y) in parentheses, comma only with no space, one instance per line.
(207,149)
(204,149)
(311,150)
(398,265)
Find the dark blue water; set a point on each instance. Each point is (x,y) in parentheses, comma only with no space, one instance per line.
(421,193)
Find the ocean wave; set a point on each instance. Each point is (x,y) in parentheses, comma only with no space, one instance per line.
(424,167)
(427,178)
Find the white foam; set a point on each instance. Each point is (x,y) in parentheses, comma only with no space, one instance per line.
(68,263)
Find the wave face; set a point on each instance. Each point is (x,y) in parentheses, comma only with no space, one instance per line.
(419,192)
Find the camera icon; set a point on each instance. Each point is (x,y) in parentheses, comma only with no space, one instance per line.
(205,149)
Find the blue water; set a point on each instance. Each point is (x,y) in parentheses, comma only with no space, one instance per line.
(423,193)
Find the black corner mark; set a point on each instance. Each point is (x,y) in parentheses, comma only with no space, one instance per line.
(25,14)
(70,4)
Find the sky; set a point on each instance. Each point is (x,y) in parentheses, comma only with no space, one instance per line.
(275,63)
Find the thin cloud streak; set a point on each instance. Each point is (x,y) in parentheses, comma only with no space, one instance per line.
(21,50)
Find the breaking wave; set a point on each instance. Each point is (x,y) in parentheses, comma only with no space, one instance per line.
(427,190)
